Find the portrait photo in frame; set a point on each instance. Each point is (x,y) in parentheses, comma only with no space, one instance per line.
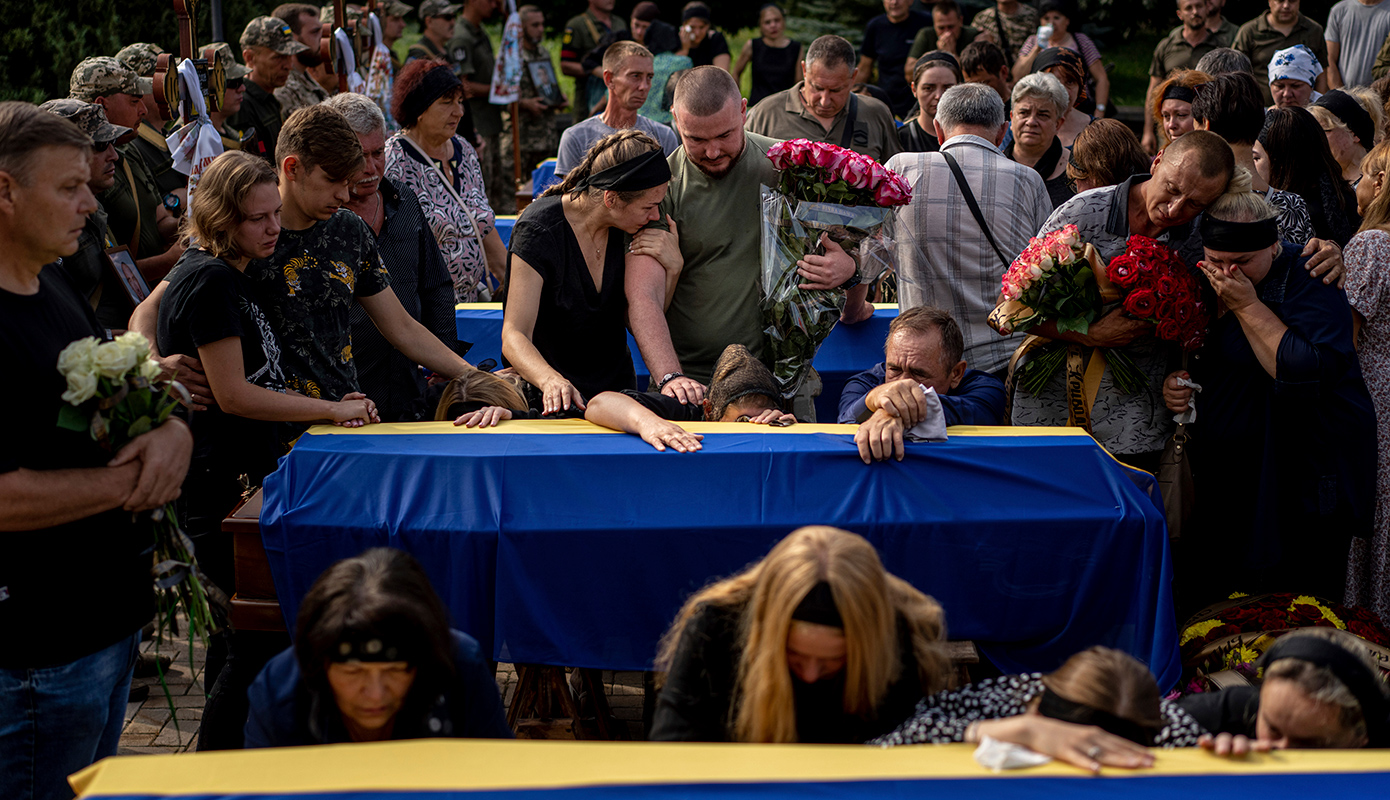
(543,77)
(122,265)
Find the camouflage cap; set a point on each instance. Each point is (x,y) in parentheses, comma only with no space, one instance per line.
(102,76)
(438,8)
(142,58)
(91,118)
(272,33)
(230,68)
(395,8)
(326,14)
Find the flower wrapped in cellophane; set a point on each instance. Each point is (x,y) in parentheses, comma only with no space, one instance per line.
(822,189)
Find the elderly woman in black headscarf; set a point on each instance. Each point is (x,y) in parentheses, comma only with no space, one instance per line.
(1320,690)
(742,389)
(564,327)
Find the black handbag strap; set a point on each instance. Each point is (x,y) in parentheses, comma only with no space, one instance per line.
(847,138)
(974,207)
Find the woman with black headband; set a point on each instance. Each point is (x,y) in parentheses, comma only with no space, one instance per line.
(1320,690)
(1284,443)
(1100,707)
(935,72)
(815,643)
(564,327)
(374,659)
(700,40)
(1352,120)
(1172,108)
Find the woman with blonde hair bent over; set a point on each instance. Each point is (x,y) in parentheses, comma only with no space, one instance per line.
(815,643)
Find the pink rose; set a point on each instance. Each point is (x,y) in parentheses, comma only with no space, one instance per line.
(800,150)
(878,175)
(857,173)
(821,155)
(887,194)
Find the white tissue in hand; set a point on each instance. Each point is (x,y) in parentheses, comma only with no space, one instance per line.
(1190,415)
(996,755)
(932,428)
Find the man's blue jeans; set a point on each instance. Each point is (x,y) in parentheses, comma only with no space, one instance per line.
(55,721)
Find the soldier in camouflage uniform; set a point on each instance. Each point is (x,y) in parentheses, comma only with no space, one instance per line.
(392,27)
(138,217)
(89,268)
(235,74)
(540,136)
(300,89)
(267,47)
(142,58)
(436,26)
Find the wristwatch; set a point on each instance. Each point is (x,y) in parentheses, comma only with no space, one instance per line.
(667,378)
(171,202)
(854,280)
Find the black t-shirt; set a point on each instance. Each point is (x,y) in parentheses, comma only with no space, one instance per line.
(308,288)
(207,301)
(889,43)
(72,589)
(714,44)
(668,407)
(581,330)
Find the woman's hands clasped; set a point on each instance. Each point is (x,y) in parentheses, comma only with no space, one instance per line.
(354,411)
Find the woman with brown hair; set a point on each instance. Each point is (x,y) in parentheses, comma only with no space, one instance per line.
(1106,153)
(482,399)
(564,327)
(1172,107)
(1354,122)
(815,643)
(1100,707)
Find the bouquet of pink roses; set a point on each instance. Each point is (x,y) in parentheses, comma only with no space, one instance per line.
(826,189)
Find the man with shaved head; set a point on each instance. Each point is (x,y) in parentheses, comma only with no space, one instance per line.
(713,205)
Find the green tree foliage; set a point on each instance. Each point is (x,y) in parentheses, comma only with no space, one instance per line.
(42,40)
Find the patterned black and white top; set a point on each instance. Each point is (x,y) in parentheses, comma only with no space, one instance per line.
(1295,222)
(943,717)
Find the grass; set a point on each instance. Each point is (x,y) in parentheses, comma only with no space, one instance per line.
(1129,80)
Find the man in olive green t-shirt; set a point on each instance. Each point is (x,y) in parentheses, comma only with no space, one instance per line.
(714,200)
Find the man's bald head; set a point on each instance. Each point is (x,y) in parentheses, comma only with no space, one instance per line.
(705,91)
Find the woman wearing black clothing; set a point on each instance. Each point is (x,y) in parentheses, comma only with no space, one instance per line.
(700,40)
(565,323)
(776,59)
(210,313)
(1292,154)
(1284,451)
(935,72)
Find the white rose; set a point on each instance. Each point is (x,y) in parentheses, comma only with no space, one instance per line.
(81,386)
(150,370)
(114,359)
(77,357)
(137,342)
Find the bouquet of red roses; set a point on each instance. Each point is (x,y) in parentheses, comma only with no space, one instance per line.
(1159,289)
(822,189)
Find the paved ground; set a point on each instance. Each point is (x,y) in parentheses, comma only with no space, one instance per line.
(150,729)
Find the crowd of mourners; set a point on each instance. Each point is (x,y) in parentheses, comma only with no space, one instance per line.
(313,275)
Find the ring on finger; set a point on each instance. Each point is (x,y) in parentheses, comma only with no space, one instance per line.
(1094,752)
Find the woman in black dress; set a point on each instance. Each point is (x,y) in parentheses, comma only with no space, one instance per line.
(564,327)
(776,59)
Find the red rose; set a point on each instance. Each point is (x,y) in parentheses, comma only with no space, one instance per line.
(1121,271)
(1166,286)
(1141,303)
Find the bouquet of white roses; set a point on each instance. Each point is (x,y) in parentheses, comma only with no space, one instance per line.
(117,392)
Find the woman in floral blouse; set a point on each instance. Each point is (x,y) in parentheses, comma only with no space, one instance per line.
(429,157)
